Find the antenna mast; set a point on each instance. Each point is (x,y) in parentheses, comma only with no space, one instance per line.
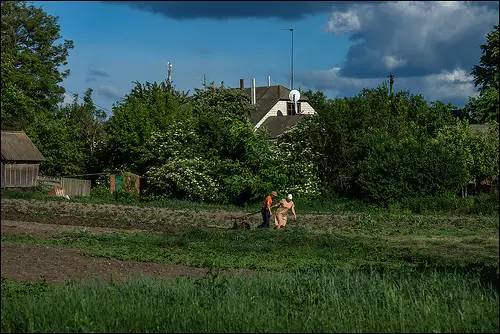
(291,56)
(391,83)
(169,73)
(291,29)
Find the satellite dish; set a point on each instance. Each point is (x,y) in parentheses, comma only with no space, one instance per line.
(294,97)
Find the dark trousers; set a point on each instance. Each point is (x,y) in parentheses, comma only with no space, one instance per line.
(266,217)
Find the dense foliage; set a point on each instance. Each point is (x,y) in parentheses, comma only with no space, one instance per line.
(385,148)
(485,107)
(30,61)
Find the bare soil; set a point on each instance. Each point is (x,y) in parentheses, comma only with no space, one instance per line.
(47,230)
(53,264)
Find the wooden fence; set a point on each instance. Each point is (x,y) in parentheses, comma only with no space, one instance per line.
(72,187)
(19,175)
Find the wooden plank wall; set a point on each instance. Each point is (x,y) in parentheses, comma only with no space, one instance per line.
(19,175)
(72,187)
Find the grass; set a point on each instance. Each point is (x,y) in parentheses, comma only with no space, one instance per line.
(295,248)
(485,204)
(306,301)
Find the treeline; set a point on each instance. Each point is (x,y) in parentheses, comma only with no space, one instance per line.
(202,147)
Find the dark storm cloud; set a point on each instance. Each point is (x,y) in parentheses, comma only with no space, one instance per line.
(233,9)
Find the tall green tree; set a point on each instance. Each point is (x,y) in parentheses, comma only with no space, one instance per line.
(31,58)
(485,107)
(86,122)
(148,109)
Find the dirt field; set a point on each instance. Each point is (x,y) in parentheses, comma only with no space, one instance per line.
(55,264)
(463,237)
(32,263)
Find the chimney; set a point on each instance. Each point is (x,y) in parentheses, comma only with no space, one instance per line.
(268,81)
(242,84)
(253,92)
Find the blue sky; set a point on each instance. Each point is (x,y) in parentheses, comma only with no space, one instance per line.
(340,48)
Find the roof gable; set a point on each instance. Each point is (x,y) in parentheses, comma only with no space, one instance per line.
(277,125)
(17,146)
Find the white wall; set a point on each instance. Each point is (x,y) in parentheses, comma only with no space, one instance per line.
(305,108)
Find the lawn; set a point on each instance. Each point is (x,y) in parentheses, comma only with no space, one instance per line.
(380,271)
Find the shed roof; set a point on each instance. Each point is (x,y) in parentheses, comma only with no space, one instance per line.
(266,98)
(277,125)
(17,146)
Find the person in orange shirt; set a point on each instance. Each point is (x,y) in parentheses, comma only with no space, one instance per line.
(266,209)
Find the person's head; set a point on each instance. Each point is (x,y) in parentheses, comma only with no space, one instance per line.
(289,197)
(274,193)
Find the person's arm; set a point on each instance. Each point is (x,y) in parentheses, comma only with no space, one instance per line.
(293,211)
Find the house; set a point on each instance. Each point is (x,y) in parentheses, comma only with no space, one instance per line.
(274,110)
(20,160)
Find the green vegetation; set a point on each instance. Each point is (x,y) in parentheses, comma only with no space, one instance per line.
(370,271)
(382,243)
(335,301)
(203,238)
(486,74)
(484,204)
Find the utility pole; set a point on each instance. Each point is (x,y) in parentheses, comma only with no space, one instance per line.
(291,56)
(291,29)
(391,83)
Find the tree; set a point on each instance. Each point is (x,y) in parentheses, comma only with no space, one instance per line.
(485,107)
(147,109)
(30,62)
(383,147)
(87,122)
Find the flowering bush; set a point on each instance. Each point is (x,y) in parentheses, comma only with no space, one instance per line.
(184,178)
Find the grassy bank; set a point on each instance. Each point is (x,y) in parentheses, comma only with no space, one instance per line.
(339,301)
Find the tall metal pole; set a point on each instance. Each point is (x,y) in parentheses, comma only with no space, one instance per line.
(291,29)
(291,56)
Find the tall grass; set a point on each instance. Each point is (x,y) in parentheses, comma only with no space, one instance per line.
(339,301)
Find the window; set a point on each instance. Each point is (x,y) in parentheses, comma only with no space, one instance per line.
(290,110)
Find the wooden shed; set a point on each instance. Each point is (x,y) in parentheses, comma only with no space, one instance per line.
(20,160)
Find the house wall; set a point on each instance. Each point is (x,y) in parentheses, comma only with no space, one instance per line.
(305,108)
(18,175)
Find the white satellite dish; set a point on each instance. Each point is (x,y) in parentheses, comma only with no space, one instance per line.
(294,97)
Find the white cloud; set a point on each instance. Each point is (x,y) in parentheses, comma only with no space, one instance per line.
(416,38)
(392,62)
(67,99)
(341,22)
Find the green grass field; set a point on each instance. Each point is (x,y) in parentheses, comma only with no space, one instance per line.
(370,271)
(335,301)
